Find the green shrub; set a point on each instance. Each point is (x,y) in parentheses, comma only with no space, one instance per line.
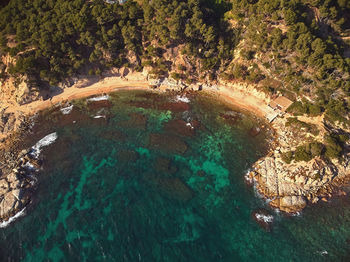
(287,157)
(175,76)
(297,108)
(302,154)
(314,110)
(334,146)
(297,124)
(316,149)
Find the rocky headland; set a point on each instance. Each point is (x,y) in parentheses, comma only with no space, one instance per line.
(291,186)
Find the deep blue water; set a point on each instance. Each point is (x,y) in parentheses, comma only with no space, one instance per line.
(159,180)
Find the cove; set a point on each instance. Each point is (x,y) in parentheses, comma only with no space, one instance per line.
(140,176)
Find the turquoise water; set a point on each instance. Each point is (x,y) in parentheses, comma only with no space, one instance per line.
(140,185)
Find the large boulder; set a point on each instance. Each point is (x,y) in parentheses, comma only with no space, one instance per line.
(289,204)
(12,202)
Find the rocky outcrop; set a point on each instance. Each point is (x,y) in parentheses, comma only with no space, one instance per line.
(16,186)
(289,187)
(14,91)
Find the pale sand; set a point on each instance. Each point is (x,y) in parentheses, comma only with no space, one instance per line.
(242,100)
(75,92)
(231,95)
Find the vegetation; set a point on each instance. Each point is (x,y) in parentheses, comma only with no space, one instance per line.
(62,38)
(332,148)
(300,125)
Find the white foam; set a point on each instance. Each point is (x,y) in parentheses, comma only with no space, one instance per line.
(182,99)
(29,166)
(66,110)
(99,98)
(99,116)
(247,177)
(190,125)
(13,218)
(323,252)
(45,141)
(265,218)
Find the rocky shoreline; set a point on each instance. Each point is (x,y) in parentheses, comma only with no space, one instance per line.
(18,179)
(291,187)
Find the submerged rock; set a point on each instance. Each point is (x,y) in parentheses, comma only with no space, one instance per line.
(127,157)
(175,188)
(175,106)
(114,135)
(93,105)
(263,218)
(167,143)
(231,116)
(136,121)
(163,165)
(179,127)
(254,131)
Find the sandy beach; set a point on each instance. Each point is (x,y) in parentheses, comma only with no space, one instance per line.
(230,94)
(239,94)
(235,96)
(76,91)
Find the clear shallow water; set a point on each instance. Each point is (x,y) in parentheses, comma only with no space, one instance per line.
(136,185)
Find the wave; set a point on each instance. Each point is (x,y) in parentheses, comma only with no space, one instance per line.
(13,218)
(190,125)
(45,141)
(99,116)
(265,218)
(66,110)
(30,167)
(98,98)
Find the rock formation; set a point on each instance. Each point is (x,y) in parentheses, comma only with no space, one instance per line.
(15,187)
(291,186)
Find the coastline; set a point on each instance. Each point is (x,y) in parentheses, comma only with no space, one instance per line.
(17,178)
(110,84)
(269,174)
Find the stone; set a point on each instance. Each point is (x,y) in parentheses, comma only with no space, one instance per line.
(254,131)
(290,204)
(176,189)
(315,200)
(127,157)
(164,166)
(4,184)
(167,143)
(137,121)
(12,179)
(7,204)
(114,135)
(264,218)
(232,117)
(175,106)
(179,127)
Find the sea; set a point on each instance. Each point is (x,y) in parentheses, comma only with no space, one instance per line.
(143,176)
